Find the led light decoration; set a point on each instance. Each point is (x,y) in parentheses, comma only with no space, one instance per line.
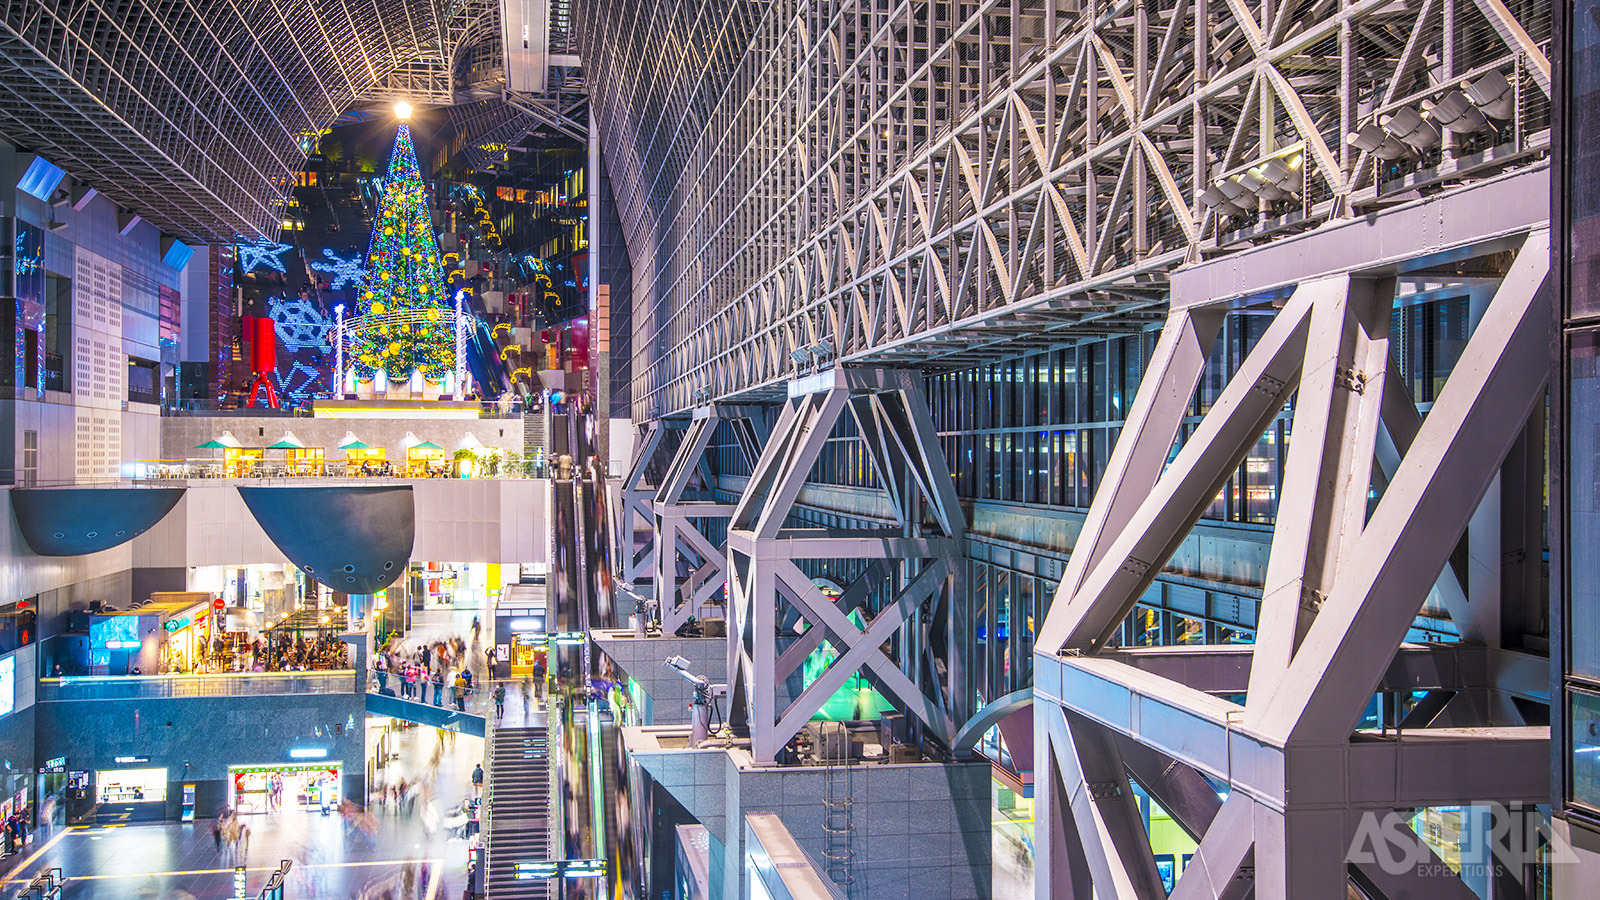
(345,272)
(263,255)
(404,323)
(300,383)
(300,324)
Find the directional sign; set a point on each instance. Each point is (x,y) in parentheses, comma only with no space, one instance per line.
(561,868)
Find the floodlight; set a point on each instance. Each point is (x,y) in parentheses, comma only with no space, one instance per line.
(1493,94)
(1456,112)
(1410,127)
(1282,172)
(402,110)
(1237,193)
(1261,187)
(1378,142)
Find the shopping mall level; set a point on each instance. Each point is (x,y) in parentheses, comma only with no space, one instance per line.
(800,450)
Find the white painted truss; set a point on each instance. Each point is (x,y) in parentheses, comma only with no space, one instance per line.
(912,580)
(1347,577)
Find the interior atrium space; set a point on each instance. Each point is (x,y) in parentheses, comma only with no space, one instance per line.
(799,449)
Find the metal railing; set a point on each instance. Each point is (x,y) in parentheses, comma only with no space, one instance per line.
(230,684)
(477,702)
(156,470)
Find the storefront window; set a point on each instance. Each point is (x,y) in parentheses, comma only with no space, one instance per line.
(1585,775)
(259,789)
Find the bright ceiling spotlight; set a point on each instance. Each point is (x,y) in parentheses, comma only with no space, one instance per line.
(1376,141)
(1409,126)
(402,110)
(1456,112)
(1493,94)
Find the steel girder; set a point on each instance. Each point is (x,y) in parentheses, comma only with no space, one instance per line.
(1343,585)
(193,112)
(681,520)
(910,591)
(637,518)
(946,182)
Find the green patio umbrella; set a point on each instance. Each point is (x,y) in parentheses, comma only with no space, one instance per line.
(427,445)
(226,442)
(287,442)
(355,445)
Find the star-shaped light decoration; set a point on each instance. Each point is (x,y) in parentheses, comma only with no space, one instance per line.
(264,254)
(344,271)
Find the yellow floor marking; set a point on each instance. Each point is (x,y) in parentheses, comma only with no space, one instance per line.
(30,860)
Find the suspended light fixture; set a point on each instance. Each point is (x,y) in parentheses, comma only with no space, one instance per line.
(1492,94)
(402,110)
(1408,126)
(1378,142)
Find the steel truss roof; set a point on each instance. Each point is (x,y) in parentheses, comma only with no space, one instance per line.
(192,112)
(946,182)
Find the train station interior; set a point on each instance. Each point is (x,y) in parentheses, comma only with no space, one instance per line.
(799,449)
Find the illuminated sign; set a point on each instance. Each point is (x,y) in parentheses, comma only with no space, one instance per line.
(58,764)
(308,753)
(8,685)
(176,624)
(238,883)
(121,760)
(561,868)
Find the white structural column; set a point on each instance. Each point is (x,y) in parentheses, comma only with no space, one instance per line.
(909,571)
(1346,578)
(684,506)
(637,525)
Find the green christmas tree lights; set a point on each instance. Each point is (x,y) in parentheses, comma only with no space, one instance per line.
(404,324)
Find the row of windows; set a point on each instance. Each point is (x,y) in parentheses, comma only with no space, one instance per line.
(1040,429)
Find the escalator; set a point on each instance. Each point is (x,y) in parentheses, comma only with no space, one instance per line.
(583,826)
(518,821)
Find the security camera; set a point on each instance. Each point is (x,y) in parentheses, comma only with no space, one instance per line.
(678,662)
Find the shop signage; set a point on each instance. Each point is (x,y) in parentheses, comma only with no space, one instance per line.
(216,603)
(123,760)
(58,764)
(238,883)
(176,624)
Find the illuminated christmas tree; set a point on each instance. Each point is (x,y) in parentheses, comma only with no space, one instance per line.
(404,324)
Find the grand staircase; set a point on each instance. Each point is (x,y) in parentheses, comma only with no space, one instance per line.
(518,786)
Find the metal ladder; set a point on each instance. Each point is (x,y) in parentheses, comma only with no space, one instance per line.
(838,804)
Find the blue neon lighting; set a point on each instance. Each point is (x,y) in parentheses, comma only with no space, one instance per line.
(178,255)
(42,178)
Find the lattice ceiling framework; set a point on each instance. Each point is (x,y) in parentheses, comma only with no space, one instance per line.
(946,182)
(193,113)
